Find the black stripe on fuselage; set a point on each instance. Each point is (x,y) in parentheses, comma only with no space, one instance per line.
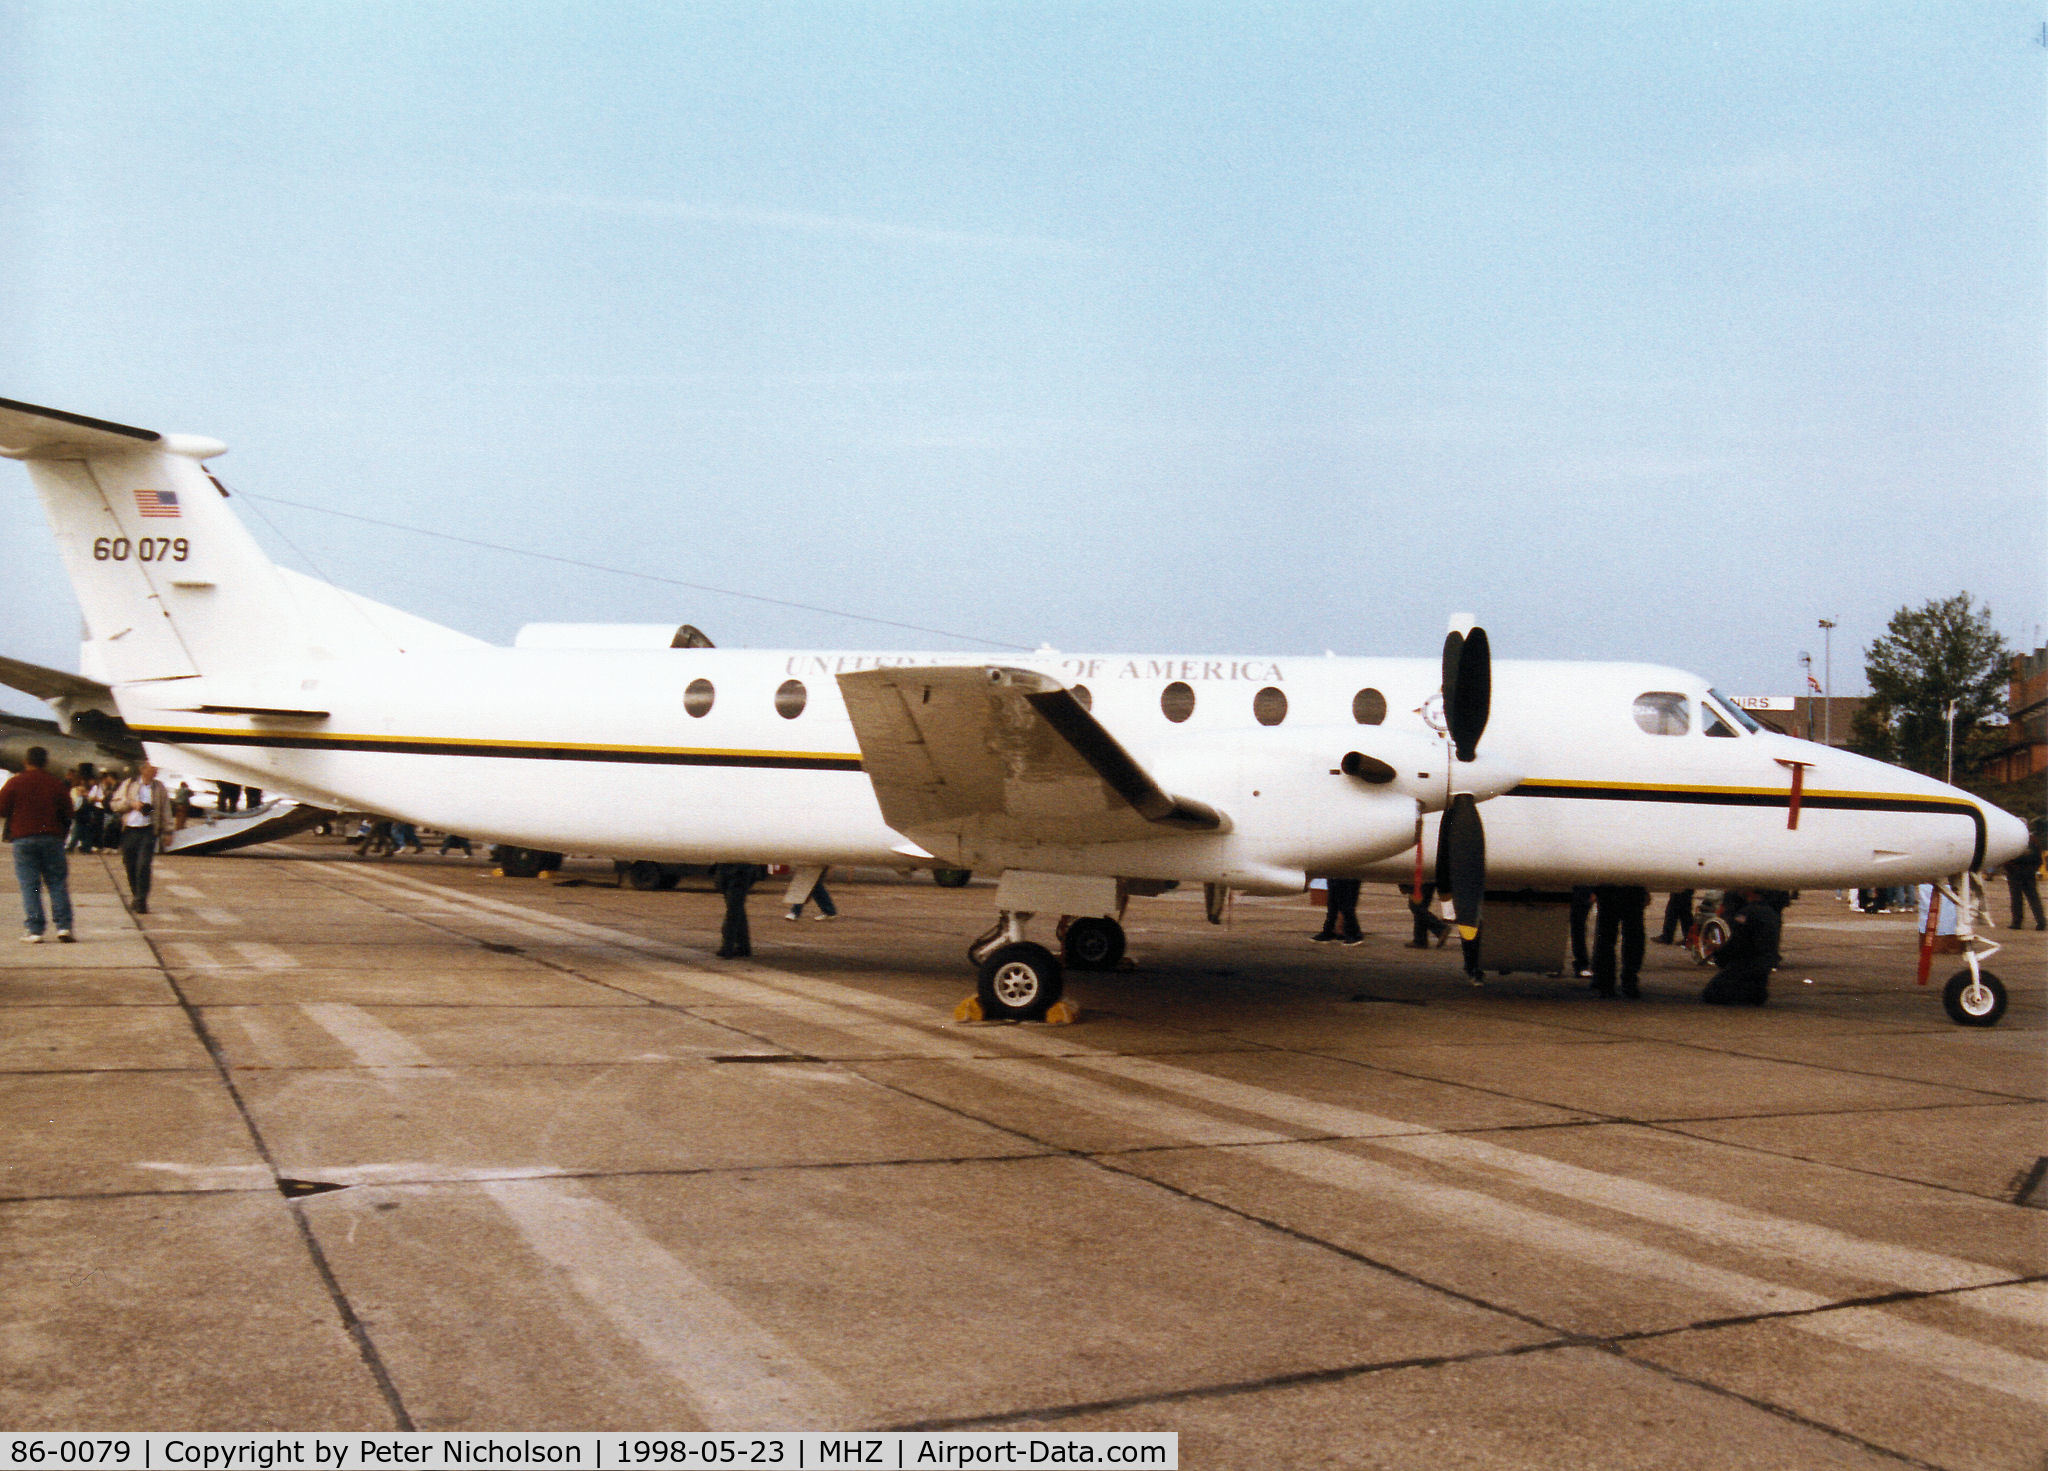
(614,755)
(1710,797)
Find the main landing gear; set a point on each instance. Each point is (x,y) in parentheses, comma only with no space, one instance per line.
(1015,979)
(1019,980)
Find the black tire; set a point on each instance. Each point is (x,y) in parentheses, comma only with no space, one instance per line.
(519,863)
(550,862)
(1974,1008)
(952,878)
(1092,943)
(1019,982)
(647,876)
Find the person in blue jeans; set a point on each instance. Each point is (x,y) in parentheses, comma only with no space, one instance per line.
(826,908)
(35,809)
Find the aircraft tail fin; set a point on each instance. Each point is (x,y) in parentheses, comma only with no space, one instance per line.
(171,583)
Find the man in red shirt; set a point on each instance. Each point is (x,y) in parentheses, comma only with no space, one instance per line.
(35,813)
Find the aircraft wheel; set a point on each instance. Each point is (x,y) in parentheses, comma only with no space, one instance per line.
(1092,943)
(520,863)
(952,878)
(1974,1001)
(647,877)
(1018,982)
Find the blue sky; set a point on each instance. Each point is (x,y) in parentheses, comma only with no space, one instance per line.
(1641,331)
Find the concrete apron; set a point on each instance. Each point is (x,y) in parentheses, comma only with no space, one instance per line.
(327,1145)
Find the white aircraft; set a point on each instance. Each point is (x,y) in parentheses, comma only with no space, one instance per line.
(1079,779)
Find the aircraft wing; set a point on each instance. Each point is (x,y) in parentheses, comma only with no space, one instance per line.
(1003,754)
(51,684)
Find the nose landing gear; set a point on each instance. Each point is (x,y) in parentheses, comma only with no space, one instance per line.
(1973,997)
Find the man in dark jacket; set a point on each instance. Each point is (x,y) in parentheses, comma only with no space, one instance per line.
(35,809)
(2021,883)
(736,881)
(1743,965)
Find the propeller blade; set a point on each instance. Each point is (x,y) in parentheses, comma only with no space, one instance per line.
(1461,862)
(1454,653)
(1468,689)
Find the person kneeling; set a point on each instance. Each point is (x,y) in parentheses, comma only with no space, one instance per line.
(1744,962)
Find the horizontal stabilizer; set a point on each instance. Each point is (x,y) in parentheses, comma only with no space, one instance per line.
(31,433)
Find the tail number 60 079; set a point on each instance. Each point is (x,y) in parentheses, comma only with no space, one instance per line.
(142,549)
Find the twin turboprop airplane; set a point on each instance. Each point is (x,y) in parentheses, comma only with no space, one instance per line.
(1080,780)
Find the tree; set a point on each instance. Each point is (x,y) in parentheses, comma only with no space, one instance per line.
(1938,654)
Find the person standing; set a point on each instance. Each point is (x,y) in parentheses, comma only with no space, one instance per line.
(735,881)
(1620,917)
(143,808)
(104,832)
(83,827)
(1677,918)
(1340,912)
(826,908)
(1582,906)
(229,796)
(1425,925)
(2022,882)
(35,815)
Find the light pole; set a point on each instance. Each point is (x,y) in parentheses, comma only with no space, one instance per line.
(1827,679)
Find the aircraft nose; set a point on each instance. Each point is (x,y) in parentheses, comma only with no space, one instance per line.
(2005,836)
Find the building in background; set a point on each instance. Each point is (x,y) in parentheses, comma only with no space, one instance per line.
(1808,718)
(2025,752)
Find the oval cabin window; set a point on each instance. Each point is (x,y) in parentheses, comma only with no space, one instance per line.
(789,699)
(1663,712)
(1369,707)
(1177,702)
(1269,706)
(698,697)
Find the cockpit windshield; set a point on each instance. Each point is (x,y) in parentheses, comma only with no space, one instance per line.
(1735,712)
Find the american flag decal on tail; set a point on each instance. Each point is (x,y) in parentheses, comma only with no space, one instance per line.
(157,502)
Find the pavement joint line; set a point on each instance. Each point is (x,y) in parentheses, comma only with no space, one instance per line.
(1998,1094)
(1934,1339)
(1342,1373)
(1234,1387)
(789,1167)
(357,1331)
(87,1196)
(1987,1099)
(1770,1407)
(1871,1300)
(1692,1270)
(1082,1055)
(1560,1339)
(1747,1146)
